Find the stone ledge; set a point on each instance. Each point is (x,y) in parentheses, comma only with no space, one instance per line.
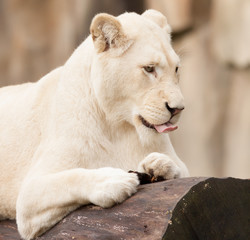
(187,208)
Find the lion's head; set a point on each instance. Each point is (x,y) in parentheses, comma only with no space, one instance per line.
(135,73)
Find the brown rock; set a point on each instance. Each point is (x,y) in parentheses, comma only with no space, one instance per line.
(188,209)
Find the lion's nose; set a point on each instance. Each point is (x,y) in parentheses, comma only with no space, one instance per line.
(173,111)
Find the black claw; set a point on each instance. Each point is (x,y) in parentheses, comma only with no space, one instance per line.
(145,178)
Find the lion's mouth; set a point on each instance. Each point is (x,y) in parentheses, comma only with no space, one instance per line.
(165,127)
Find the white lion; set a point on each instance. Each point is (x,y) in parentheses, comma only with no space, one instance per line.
(70,138)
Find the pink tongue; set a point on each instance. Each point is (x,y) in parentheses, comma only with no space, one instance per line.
(167,127)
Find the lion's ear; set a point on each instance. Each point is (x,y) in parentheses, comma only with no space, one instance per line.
(107,33)
(158,18)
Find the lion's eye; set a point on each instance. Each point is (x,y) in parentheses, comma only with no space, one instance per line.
(176,69)
(149,69)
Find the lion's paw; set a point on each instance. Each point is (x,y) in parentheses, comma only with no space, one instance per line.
(112,186)
(160,166)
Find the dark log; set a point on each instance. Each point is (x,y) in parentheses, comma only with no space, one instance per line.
(188,208)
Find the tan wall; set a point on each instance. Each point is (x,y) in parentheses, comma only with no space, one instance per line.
(212,38)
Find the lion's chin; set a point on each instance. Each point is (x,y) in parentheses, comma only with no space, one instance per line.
(162,128)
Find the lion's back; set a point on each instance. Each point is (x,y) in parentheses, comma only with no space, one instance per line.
(20,134)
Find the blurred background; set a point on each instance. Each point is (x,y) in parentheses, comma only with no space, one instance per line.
(212,38)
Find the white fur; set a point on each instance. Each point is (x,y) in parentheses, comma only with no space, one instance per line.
(70,138)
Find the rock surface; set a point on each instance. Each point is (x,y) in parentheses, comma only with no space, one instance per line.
(188,208)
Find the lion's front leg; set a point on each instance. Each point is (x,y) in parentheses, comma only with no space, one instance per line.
(44,200)
(160,166)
